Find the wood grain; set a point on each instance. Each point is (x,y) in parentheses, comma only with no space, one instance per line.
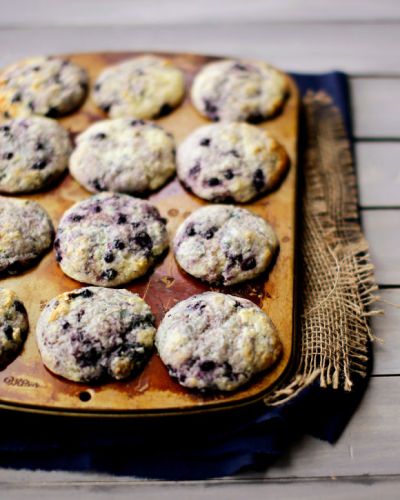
(153,390)
(378,173)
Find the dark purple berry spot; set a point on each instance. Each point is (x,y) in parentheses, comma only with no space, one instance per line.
(135,123)
(16,98)
(205,142)
(76,218)
(237,304)
(97,185)
(100,136)
(195,170)
(8,330)
(249,263)
(8,156)
(190,231)
(229,175)
(210,232)
(56,243)
(106,107)
(5,130)
(240,67)
(84,293)
(109,257)
(39,165)
(227,368)
(234,153)
(39,146)
(119,245)
(143,240)
(121,219)
(97,209)
(258,180)
(207,366)
(213,181)
(58,256)
(211,109)
(109,274)
(66,325)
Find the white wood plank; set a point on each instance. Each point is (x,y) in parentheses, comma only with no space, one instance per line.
(369,445)
(376,105)
(297,47)
(378,173)
(332,488)
(387,351)
(95,12)
(382,230)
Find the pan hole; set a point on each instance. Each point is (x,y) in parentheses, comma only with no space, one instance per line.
(85,396)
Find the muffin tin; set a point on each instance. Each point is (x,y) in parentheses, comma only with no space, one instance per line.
(27,385)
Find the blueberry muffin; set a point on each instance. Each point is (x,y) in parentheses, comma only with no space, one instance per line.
(143,87)
(34,152)
(47,86)
(123,155)
(13,326)
(223,244)
(91,333)
(214,341)
(230,162)
(26,233)
(110,239)
(234,91)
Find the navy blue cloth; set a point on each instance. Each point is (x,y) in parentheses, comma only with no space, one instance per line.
(185,447)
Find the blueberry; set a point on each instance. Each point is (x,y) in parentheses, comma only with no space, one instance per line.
(19,306)
(227,368)
(195,170)
(109,274)
(229,175)
(134,123)
(56,243)
(258,180)
(234,153)
(211,109)
(249,263)
(86,294)
(143,240)
(121,219)
(16,97)
(240,67)
(97,185)
(81,312)
(237,304)
(5,130)
(58,256)
(39,146)
(106,107)
(190,231)
(39,165)
(8,156)
(109,257)
(205,142)
(76,218)
(8,330)
(87,354)
(207,366)
(210,232)
(97,209)
(119,245)
(100,136)
(213,181)
(66,325)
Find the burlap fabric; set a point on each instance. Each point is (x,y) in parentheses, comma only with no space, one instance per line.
(337,283)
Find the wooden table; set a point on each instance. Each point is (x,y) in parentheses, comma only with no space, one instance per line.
(361,37)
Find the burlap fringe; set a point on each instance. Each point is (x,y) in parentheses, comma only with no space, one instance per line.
(337,276)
